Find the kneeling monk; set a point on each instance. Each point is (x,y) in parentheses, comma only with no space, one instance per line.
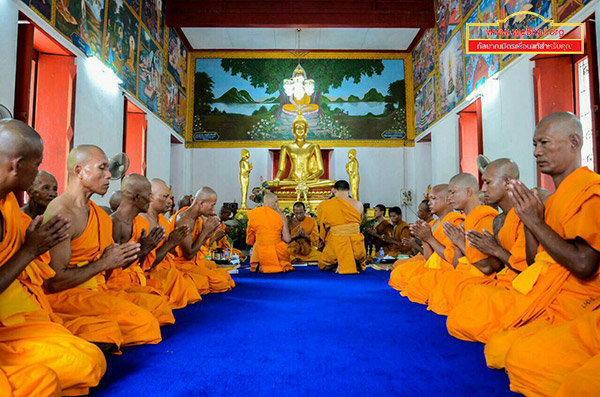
(304,234)
(33,349)
(79,286)
(268,232)
(339,221)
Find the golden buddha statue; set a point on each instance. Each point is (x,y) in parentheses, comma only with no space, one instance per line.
(306,160)
(299,90)
(245,169)
(352,170)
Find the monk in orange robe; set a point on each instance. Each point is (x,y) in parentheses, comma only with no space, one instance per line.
(304,234)
(159,263)
(562,283)
(31,345)
(136,195)
(79,287)
(438,204)
(400,233)
(339,221)
(540,363)
(381,231)
(268,233)
(188,254)
(471,265)
(439,253)
(219,240)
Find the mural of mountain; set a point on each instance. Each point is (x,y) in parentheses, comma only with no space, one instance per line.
(274,99)
(235,96)
(353,98)
(373,96)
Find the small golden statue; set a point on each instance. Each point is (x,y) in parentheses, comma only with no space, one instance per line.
(302,190)
(306,159)
(352,170)
(245,168)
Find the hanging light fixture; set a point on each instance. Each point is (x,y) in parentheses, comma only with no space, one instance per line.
(298,86)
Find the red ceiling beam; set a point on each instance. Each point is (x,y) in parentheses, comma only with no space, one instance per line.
(308,14)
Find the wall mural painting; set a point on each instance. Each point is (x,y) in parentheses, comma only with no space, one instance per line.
(82,22)
(43,7)
(480,67)
(423,57)
(153,15)
(177,58)
(171,100)
(565,8)
(179,125)
(425,106)
(448,18)
(451,74)
(467,6)
(257,100)
(135,6)
(150,74)
(120,53)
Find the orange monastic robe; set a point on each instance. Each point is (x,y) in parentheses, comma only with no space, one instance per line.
(383,228)
(401,230)
(27,381)
(92,298)
(451,285)
(545,291)
(27,335)
(222,244)
(302,250)
(165,276)
(420,285)
(538,364)
(219,279)
(339,228)
(270,253)
(512,238)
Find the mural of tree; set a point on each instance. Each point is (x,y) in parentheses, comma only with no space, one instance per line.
(396,95)
(204,97)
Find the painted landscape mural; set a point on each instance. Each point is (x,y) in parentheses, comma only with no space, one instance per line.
(246,99)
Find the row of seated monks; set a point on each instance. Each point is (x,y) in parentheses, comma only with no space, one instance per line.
(523,281)
(76,283)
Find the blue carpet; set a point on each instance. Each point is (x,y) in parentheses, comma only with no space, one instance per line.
(306,333)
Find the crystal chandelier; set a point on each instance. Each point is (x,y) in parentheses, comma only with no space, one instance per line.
(298,86)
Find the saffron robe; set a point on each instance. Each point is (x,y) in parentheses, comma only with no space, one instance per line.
(583,382)
(92,298)
(28,337)
(548,290)
(269,253)
(179,289)
(219,280)
(399,232)
(27,381)
(540,363)
(339,228)
(383,228)
(451,285)
(419,286)
(511,237)
(222,243)
(301,249)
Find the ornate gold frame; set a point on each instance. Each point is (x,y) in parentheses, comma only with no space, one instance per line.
(408,78)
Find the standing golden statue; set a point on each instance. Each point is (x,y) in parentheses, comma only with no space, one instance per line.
(245,168)
(306,160)
(352,170)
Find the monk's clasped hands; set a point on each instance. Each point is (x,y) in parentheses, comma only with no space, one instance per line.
(118,255)
(421,230)
(484,242)
(527,203)
(40,237)
(455,234)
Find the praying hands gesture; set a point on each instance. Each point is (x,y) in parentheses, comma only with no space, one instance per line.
(176,236)
(211,224)
(40,238)
(456,235)
(421,230)
(118,255)
(527,203)
(484,242)
(301,233)
(150,241)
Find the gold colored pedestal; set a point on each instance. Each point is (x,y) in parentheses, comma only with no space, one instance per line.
(287,198)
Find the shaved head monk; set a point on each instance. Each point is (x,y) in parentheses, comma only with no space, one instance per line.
(159,264)
(417,277)
(220,240)
(80,262)
(268,233)
(136,195)
(34,351)
(115,200)
(423,213)
(339,221)
(184,202)
(189,256)
(562,283)
(471,266)
(41,192)
(304,234)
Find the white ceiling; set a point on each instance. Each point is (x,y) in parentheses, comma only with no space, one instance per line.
(310,38)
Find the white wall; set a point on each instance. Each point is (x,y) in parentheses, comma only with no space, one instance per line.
(444,149)
(158,150)
(8,48)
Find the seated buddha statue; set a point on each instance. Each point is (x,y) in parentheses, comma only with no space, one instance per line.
(306,160)
(299,90)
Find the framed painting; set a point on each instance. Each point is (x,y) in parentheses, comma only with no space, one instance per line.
(239,99)
(452,89)
(153,16)
(425,106)
(150,73)
(448,17)
(121,40)
(177,58)
(423,57)
(82,21)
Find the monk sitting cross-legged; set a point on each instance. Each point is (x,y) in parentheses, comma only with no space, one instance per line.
(562,283)
(79,286)
(33,349)
(130,282)
(304,234)
(381,231)
(189,256)
(400,233)
(268,233)
(219,240)
(419,277)
(339,221)
(158,263)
